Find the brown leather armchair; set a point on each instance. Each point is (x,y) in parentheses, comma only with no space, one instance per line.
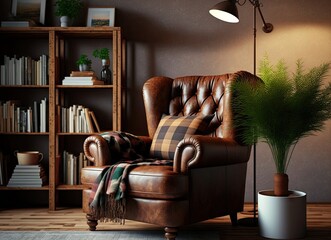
(207,179)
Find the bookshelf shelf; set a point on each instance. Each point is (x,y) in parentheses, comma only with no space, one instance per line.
(25,86)
(81,86)
(43,188)
(25,133)
(105,101)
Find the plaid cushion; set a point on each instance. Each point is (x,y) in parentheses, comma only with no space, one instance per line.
(172,129)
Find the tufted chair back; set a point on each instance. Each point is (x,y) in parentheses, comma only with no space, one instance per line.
(193,95)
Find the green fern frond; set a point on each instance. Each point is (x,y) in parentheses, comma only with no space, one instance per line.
(286,108)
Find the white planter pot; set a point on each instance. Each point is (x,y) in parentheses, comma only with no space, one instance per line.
(83,67)
(282,217)
(64,20)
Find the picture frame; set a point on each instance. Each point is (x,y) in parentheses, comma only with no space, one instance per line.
(99,17)
(29,10)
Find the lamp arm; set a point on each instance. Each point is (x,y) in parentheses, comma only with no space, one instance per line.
(267,27)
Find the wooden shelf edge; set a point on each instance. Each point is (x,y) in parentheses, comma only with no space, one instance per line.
(4,188)
(25,133)
(85,86)
(69,187)
(25,86)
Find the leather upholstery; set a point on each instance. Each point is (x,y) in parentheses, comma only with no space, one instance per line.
(208,175)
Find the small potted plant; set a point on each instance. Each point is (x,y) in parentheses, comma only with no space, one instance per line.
(103,54)
(84,63)
(67,10)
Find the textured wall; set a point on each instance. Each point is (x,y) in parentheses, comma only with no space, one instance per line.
(179,37)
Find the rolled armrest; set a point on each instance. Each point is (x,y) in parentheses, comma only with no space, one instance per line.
(96,150)
(204,151)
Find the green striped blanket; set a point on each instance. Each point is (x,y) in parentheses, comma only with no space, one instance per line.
(107,201)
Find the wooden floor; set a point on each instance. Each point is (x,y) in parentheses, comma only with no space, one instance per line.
(318,222)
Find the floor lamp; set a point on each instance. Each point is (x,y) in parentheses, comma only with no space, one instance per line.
(227,11)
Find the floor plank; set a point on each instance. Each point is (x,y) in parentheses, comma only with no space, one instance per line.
(318,222)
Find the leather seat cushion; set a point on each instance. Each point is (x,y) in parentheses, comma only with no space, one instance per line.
(153,182)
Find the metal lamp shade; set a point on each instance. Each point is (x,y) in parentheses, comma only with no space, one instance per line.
(226,11)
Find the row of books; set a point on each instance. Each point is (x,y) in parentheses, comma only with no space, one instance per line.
(17,118)
(72,166)
(24,71)
(78,119)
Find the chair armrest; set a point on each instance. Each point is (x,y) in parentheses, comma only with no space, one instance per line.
(204,151)
(96,149)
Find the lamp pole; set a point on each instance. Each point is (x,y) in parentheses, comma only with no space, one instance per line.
(227,11)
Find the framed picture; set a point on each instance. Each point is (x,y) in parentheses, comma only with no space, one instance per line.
(98,17)
(30,10)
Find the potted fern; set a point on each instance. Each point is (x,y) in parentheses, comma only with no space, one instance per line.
(67,10)
(84,63)
(280,111)
(286,108)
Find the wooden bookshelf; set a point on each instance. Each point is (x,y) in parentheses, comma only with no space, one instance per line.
(104,100)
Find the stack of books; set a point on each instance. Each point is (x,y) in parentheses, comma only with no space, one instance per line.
(82,78)
(26,176)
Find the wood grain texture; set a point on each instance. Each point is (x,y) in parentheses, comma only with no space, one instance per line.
(318,223)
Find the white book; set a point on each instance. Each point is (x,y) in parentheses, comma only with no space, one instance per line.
(21,71)
(83,83)
(81,79)
(15,23)
(71,119)
(12,71)
(29,127)
(43,115)
(6,61)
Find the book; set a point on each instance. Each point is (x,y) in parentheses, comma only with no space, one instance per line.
(84,83)
(24,184)
(15,24)
(27,168)
(95,121)
(82,78)
(82,74)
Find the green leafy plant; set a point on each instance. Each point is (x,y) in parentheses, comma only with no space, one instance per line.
(70,8)
(286,108)
(83,59)
(102,53)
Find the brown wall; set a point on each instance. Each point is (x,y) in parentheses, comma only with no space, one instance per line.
(179,37)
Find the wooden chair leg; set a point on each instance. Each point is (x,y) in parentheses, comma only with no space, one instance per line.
(91,222)
(170,233)
(234,219)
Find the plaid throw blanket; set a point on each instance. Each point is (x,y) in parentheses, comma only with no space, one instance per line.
(107,201)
